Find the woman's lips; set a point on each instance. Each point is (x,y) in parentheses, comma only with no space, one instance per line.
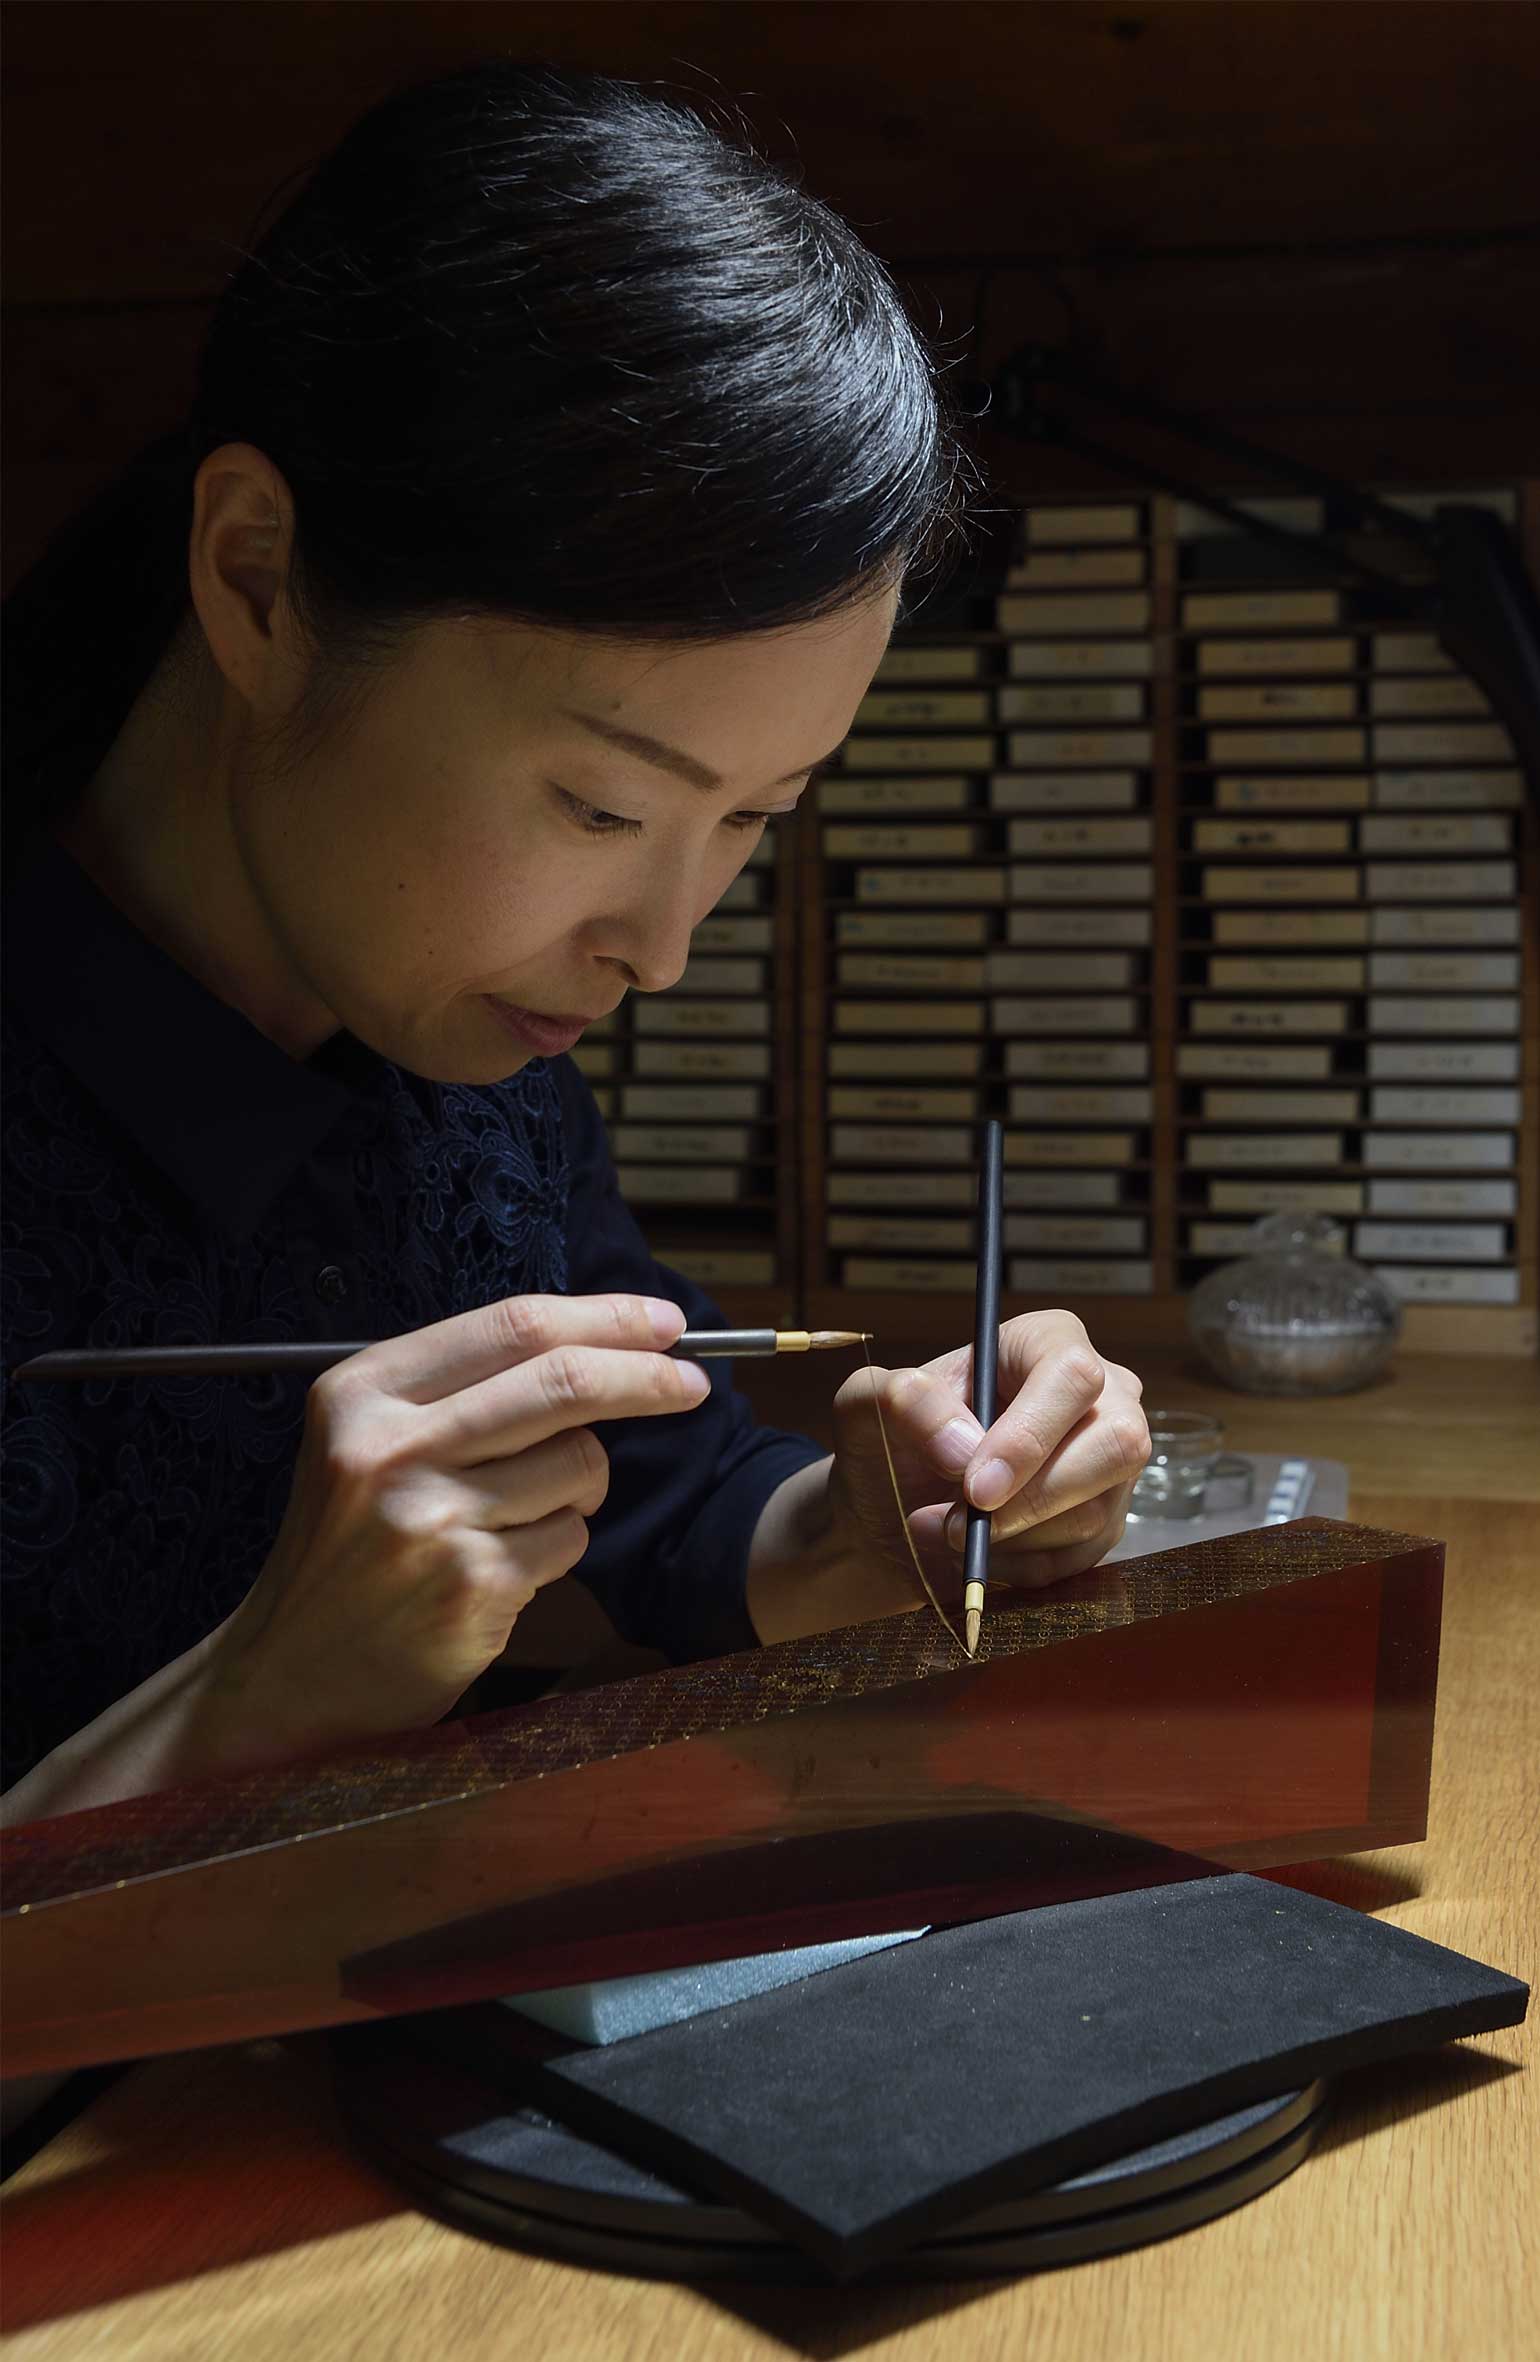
(548,1037)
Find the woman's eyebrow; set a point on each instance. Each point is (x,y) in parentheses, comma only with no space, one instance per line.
(673,758)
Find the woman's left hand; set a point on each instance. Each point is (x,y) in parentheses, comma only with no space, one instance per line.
(1057,1467)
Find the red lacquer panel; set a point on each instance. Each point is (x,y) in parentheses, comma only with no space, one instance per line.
(1255,1701)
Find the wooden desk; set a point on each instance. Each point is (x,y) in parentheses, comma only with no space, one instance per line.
(1463,1427)
(206,2209)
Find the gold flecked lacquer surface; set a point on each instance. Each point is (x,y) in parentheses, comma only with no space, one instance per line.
(145,1836)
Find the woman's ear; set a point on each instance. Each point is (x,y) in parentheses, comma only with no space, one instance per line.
(239,551)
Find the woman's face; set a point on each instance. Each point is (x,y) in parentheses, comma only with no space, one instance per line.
(517,826)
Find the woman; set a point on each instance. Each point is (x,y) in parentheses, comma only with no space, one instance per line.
(556,473)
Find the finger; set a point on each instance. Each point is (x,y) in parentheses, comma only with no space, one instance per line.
(955,1370)
(426,1365)
(857,1391)
(495,1576)
(1069,1528)
(1051,1378)
(1025,1564)
(1023,1342)
(569,1387)
(530,1556)
(924,1416)
(567,1471)
(1087,1521)
(1107,1449)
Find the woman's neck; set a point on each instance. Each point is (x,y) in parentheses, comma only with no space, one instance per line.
(155,831)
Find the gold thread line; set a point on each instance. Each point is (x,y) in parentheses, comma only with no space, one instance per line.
(898,1503)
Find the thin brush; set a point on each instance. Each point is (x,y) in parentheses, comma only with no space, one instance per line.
(309,1360)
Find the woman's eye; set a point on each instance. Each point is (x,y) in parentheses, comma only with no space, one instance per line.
(596,822)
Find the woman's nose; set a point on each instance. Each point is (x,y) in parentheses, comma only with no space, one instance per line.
(651,937)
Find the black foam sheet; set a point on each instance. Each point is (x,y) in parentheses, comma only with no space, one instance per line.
(865,2107)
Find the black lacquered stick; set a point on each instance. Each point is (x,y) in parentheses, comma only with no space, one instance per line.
(309,1360)
(986,1339)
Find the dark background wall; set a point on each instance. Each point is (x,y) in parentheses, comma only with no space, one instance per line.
(1316,223)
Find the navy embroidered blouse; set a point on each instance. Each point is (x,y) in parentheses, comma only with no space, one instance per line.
(170,1177)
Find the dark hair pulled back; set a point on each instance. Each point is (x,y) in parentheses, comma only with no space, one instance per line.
(529,343)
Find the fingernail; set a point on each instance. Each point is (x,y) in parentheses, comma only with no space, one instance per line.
(954,1533)
(667,1321)
(956,1444)
(991,1484)
(695,1379)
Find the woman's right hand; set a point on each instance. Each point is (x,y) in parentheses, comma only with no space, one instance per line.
(443,1477)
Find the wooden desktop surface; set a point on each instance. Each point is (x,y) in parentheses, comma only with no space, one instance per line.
(1461,1427)
(206,2209)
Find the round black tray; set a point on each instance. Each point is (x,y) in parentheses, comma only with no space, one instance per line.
(471,2156)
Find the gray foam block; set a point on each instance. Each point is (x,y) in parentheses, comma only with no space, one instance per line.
(621,2006)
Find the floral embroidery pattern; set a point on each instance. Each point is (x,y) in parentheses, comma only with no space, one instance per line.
(136,1515)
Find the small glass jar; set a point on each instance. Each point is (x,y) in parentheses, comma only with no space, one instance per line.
(1296,1315)
(1184,1450)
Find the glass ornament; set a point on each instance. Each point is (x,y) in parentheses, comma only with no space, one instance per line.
(1296,1315)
